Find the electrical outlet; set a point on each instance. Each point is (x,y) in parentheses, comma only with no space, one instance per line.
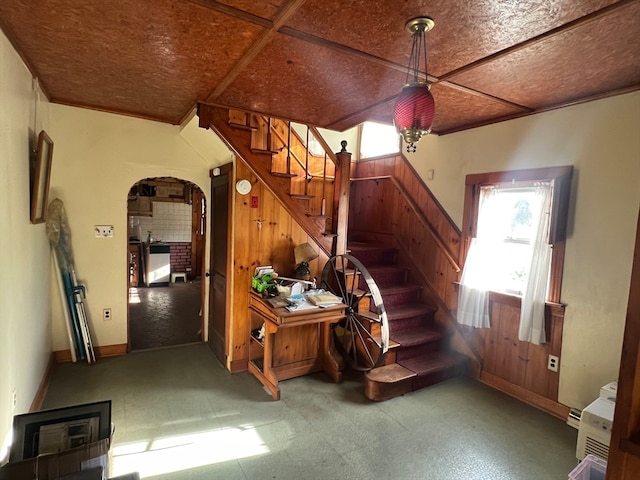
(106,314)
(104,231)
(430,174)
(553,363)
(14,400)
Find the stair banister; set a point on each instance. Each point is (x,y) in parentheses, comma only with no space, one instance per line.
(306,165)
(341,199)
(324,180)
(289,148)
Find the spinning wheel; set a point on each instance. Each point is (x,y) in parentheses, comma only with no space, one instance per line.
(362,337)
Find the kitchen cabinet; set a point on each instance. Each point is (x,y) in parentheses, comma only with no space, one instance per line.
(134,264)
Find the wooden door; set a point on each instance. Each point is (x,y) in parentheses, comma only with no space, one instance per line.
(219,263)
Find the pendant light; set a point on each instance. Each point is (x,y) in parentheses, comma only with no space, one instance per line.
(415,108)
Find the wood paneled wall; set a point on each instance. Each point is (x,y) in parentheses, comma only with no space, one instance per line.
(397,167)
(265,235)
(515,367)
(391,205)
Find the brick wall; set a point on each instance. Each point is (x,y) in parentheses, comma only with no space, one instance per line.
(181,257)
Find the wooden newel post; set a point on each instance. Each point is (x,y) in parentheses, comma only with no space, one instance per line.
(341,198)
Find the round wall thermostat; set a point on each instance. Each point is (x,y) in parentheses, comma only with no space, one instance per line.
(243,186)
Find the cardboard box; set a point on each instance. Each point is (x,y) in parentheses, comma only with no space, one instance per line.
(96,473)
(53,465)
(49,444)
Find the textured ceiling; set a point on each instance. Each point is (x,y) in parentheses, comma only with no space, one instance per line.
(328,63)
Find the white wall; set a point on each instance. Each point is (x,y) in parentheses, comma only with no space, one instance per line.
(25,310)
(98,157)
(601,140)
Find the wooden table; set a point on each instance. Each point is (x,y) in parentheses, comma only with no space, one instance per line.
(295,343)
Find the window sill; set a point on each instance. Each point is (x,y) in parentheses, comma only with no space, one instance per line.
(516,300)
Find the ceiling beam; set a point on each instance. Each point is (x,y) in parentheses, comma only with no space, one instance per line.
(279,20)
(560,29)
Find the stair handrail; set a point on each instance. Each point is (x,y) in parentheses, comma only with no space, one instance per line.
(327,149)
(418,212)
(295,156)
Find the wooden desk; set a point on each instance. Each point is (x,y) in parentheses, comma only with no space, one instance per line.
(295,343)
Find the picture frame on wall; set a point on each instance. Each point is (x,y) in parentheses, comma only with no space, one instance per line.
(40,178)
(51,431)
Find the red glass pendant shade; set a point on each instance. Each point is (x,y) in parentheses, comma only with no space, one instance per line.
(414,112)
(415,108)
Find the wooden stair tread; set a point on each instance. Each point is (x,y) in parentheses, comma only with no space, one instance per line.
(389,374)
(385,268)
(417,336)
(404,287)
(284,174)
(242,126)
(419,357)
(262,151)
(300,196)
(413,310)
(425,365)
(363,246)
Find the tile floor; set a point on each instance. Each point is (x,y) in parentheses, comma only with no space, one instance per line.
(178,414)
(165,316)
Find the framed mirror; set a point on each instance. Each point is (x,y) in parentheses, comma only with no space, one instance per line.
(40,179)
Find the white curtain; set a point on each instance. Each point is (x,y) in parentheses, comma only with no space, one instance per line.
(533,300)
(473,302)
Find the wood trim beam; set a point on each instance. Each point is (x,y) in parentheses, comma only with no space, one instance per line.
(64,356)
(526,175)
(579,22)
(280,19)
(278,26)
(538,401)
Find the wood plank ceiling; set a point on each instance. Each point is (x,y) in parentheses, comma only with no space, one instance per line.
(328,63)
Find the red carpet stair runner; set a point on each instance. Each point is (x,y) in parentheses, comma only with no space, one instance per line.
(418,353)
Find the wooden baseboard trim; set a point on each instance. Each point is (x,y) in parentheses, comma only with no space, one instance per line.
(111,350)
(38,399)
(239,366)
(538,401)
(64,356)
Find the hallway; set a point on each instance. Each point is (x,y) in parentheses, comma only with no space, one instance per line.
(165,316)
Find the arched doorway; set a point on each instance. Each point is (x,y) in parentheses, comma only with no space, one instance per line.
(166,223)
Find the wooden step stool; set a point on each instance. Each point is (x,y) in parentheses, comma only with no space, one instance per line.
(176,275)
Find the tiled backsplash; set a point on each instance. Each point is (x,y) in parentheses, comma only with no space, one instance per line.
(171,222)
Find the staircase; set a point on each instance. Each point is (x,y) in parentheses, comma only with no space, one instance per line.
(279,157)
(418,353)
(308,188)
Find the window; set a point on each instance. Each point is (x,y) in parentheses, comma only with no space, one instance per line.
(506,220)
(513,242)
(378,139)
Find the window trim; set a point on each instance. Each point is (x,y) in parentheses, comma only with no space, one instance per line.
(560,178)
